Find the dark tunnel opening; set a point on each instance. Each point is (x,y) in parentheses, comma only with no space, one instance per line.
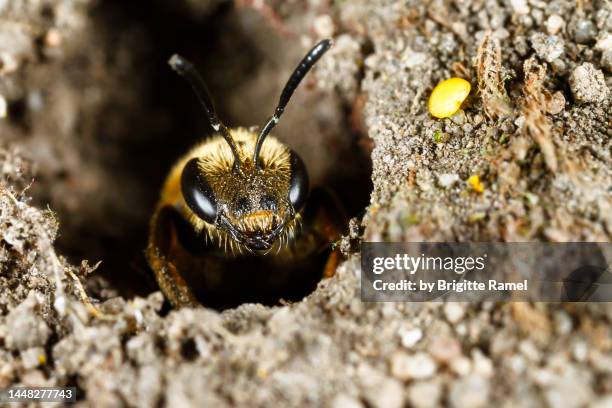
(137,138)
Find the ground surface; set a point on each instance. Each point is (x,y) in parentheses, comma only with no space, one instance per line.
(94,118)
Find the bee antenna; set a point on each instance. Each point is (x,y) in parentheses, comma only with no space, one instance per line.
(186,69)
(294,80)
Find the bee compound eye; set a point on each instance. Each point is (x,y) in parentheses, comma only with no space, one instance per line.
(298,187)
(197,192)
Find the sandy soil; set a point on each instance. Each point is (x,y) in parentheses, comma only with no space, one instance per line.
(92,118)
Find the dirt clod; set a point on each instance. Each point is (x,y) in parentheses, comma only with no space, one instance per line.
(588,84)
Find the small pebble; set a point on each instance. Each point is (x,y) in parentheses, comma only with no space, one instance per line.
(445,349)
(454,312)
(604,42)
(584,32)
(324,26)
(604,45)
(33,357)
(345,401)
(53,38)
(568,392)
(447,180)
(3,107)
(556,103)
(25,329)
(529,350)
(517,364)
(469,392)
(554,24)
(563,322)
(588,84)
(548,47)
(387,394)
(520,7)
(461,366)
(580,351)
(425,394)
(417,366)
(482,364)
(410,338)
(35,101)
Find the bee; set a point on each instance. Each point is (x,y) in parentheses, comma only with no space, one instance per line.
(238,202)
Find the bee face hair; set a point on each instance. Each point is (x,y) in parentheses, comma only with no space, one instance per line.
(253,205)
(237,188)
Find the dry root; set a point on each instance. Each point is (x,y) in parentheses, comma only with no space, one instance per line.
(490,82)
(85,298)
(537,124)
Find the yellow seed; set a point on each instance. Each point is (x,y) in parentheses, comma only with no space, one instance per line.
(476,184)
(447,97)
(42,359)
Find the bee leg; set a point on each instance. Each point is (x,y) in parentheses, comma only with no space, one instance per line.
(332,263)
(328,222)
(162,249)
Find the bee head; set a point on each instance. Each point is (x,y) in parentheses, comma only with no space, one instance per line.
(254,203)
(251,190)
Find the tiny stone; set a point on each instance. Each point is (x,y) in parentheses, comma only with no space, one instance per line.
(53,38)
(604,45)
(558,66)
(33,357)
(35,101)
(556,103)
(445,349)
(529,350)
(417,366)
(461,366)
(454,312)
(324,26)
(517,364)
(580,351)
(3,107)
(584,32)
(425,394)
(554,24)
(345,401)
(448,180)
(563,322)
(604,42)
(461,329)
(588,84)
(469,392)
(388,394)
(25,329)
(538,16)
(548,47)
(568,391)
(520,7)
(482,364)
(411,337)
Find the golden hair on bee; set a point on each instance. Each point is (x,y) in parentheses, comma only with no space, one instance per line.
(215,160)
